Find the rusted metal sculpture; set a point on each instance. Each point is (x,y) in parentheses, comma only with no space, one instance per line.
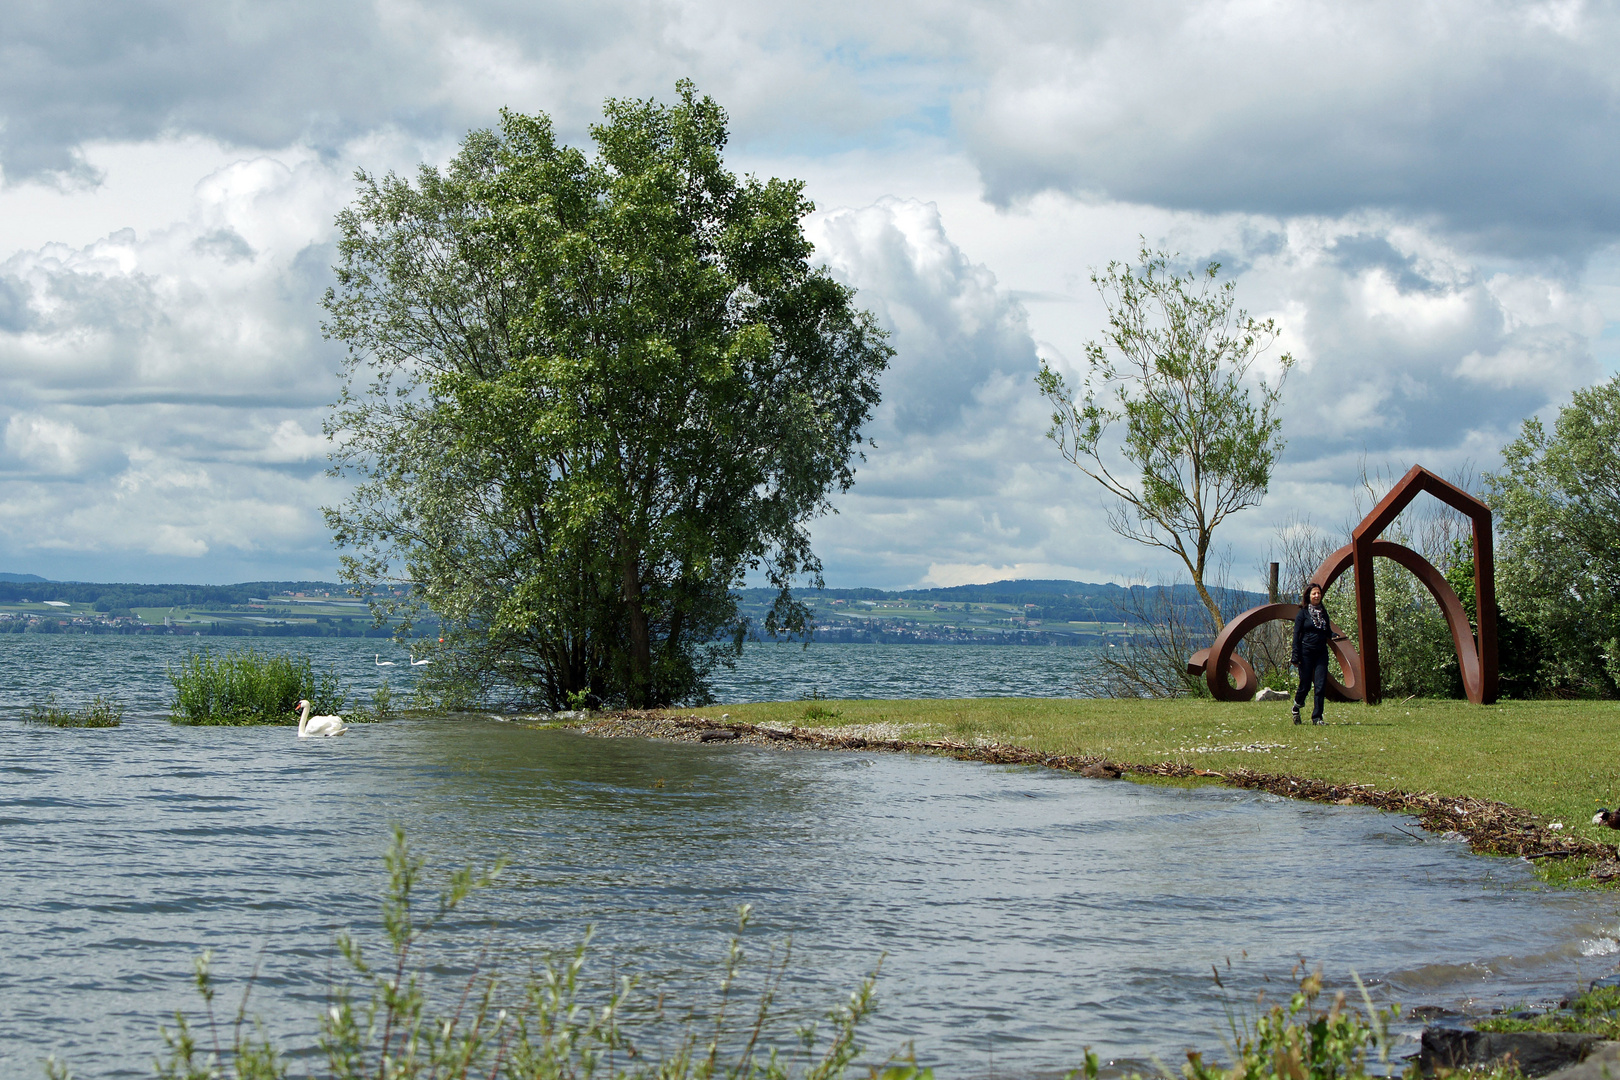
(1475,656)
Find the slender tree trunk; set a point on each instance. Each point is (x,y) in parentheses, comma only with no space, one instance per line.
(640,636)
(1196,569)
(1209,602)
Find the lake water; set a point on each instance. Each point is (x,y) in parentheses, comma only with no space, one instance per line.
(1024,914)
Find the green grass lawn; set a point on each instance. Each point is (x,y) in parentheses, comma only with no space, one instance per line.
(1560,759)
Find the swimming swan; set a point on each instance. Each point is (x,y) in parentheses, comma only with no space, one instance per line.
(309,726)
(381,662)
(419,663)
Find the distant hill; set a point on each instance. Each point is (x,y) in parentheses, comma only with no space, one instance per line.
(1059,601)
(1052,602)
(14,587)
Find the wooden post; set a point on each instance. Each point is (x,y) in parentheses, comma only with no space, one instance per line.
(1271,588)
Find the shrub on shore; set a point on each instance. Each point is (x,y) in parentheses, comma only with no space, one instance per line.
(248,686)
(101,712)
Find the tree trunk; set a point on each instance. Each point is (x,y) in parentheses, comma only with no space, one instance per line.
(1209,602)
(640,636)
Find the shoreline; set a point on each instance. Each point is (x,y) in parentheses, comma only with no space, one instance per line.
(1489,827)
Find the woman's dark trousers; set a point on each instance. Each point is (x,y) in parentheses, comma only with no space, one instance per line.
(1313,670)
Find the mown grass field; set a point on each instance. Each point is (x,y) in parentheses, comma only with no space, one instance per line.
(1560,759)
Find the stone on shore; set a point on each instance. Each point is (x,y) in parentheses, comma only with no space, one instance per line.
(1536,1053)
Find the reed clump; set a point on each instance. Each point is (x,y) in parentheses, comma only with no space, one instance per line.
(101,712)
(247,686)
(546,1026)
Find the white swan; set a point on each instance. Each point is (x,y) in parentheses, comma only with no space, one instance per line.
(419,663)
(381,662)
(309,726)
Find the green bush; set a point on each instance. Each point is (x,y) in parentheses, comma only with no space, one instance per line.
(382,702)
(545,1028)
(100,713)
(251,687)
(1301,1042)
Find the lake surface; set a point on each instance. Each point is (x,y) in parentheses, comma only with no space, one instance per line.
(1024,914)
(77,667)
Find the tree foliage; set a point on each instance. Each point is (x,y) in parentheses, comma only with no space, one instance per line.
(1557,507)
(585,395)
(1173,367)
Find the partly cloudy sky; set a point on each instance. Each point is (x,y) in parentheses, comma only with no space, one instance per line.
(1423,194)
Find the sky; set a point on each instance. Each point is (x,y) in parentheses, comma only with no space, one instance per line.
(1421,194)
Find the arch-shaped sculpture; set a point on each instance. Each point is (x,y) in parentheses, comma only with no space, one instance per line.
(1477,659)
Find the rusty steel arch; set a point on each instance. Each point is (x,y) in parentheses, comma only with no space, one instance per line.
(1476,657)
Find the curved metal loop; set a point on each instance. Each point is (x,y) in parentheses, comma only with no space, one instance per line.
(1221,660)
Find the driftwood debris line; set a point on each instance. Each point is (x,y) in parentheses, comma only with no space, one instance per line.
(1491,828)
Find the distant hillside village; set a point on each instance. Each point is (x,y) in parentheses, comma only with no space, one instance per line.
(1004,613)
(250,609)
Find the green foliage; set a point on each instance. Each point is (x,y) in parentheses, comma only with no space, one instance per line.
(250,687)
(1520,648)
(1416,655)
(1302,1042)
(382,702)
(1173,366)
(1557,507)
(1596,1011)
(584,397)
(102,712)
(545,1029)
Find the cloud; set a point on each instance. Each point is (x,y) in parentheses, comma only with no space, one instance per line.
(161,395)
(961,475)
(1406,347)
(1411,190)
(957,332)
(1495,120)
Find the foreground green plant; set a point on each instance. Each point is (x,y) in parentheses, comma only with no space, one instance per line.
(102,712)
(247,686)
(543,1028)
(1300,1042)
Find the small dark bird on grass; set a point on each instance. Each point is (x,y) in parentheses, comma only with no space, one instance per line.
(1611,818)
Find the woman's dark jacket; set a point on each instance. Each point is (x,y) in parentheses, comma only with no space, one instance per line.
(1308,640)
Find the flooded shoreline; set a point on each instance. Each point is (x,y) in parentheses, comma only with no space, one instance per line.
(1024,913)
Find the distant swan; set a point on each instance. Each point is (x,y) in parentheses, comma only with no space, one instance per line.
(381,662)
(317,725)
(419,663)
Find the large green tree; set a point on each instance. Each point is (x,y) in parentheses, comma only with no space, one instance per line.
(585,395)
(1200,437)
(1557,506)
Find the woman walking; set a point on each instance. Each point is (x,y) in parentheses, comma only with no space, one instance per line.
(1312,632)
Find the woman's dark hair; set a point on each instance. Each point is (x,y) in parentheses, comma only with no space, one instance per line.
(1305,594)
